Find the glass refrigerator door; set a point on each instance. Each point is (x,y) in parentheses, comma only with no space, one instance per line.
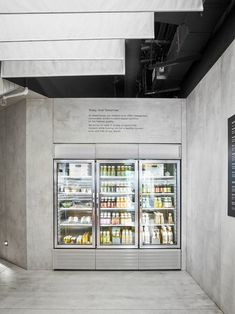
(74,204)
(117,183)
(159,204)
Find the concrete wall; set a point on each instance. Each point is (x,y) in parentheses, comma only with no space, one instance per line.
(28,155)
(13,187)
(2,183)
(39,184)
(211,233)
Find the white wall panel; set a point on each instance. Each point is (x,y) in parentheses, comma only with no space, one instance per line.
(60,50)
(62,68)
(29,6)
(23,27)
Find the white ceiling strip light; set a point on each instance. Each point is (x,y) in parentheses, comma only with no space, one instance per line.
(62,68)
(63,50)
(26,27)
(60,6)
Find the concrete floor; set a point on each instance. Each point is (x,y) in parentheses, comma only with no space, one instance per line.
(111,292)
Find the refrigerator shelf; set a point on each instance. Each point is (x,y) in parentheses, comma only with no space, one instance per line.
(74,224)
(157,193)
(62,209)
(74,194)
(75,178)
(160,225)
(156,208)
(116,177)
(158,178)
(120,225)
(117,208)
(116,193)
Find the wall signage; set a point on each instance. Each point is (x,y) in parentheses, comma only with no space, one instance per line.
(231,166)
(116,120)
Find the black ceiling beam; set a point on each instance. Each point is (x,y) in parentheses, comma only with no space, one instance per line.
(175,62)
(213,51)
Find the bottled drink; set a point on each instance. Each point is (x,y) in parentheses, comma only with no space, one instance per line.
(108,237)
(164,235)
(169,236)
(126,218)
(122,219)
(101,170)
(117,219)
(130,237)
(118,202)
(129,218)
(122,171)
(113,172)
(118,171)
(113,219)
(123,236)
(102,218)
(109,218)
(162,219)
(101,237)
(105,218)
(146,235)
(170,219)
(105,171)
(104,237)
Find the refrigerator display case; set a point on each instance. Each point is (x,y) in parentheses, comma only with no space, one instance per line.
(74,204)
(117,204)
(159,187)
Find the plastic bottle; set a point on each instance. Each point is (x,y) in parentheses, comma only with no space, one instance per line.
(123,236)
(146,235)
(122,219)
(108,237)
(170,219)
(130,237)
(169,236)
(164,235)
(101,218)
(117,219)
(109,219)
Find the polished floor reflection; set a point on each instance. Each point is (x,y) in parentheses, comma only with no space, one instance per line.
(108,292)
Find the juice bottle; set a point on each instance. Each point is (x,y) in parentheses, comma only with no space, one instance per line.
(117,219)
(105,171)
(113,172)
(164,235)
(108,239)
(130,237)
(146,235)
(122,219)
(101,237)
(170,219)
(101,218)
(129,218)
(162,219)
(101,170)
(109,218)
(169,236)
(123,236)
(113,219)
